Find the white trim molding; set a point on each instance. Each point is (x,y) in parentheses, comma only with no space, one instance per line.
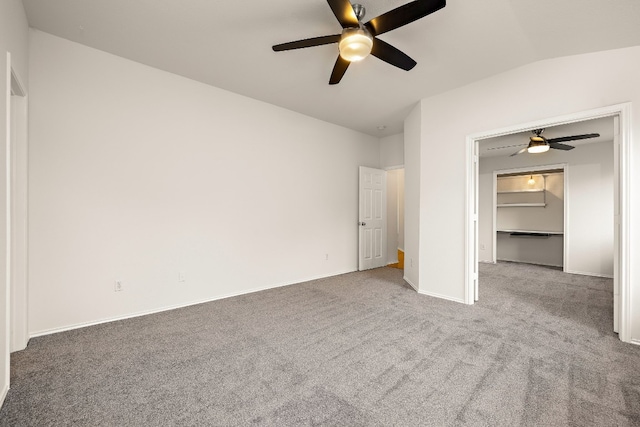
(392,168)
(471,221)
(3,393)
(624,113)
(584,273)
(415,288)
(177,306)
(17,225)
(5,287)
(446,297)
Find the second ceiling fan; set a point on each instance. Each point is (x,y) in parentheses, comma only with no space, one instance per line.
(357,40)
(540,144)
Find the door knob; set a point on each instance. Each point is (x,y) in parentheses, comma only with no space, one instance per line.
(363,224)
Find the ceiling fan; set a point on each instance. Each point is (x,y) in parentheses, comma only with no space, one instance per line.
(357,40)
(540,144)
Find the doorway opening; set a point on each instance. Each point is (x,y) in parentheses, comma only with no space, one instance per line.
(395,218)
(381,218)
(620,115)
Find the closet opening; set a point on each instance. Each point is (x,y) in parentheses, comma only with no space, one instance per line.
(529,216)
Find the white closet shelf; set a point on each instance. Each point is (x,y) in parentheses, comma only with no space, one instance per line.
(559,233)
(529,190)
(520,205)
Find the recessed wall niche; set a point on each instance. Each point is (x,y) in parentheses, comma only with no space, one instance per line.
(530,217)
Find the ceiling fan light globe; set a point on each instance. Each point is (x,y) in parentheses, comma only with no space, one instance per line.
(536,149)
(355,44)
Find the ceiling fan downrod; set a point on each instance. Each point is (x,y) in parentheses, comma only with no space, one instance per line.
(359,10)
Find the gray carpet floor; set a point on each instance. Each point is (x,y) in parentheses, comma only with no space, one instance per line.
(356,349)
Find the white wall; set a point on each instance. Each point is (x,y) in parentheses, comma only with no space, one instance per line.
(530,249)
(413,129)
(18,222)
(549,217)
(400,177)
(137,175)
(392,151)
(392,158)
(13,39)
(589,199)
(563,85)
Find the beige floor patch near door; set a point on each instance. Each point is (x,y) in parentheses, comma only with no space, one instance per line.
(400,263)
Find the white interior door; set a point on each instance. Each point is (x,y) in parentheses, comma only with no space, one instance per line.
(372,219)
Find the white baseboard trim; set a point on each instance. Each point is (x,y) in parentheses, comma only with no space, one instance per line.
(532,263)
(582,273)
(635,341)
(392,262)
(448,298)
(21,346)
(486,262)
(174,307)
(3,394)
(415,288)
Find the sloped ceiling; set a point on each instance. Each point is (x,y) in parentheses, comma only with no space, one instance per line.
(228,45)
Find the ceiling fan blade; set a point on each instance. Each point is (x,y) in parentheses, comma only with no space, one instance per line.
(519,152)
(403,15)
(573,138)
(314,41)
(343,11)
(338,70)
(559,146)
(391,55)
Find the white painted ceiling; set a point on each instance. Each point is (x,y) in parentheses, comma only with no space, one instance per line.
(228,45)
(509,144)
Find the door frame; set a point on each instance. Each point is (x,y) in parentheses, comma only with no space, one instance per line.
(15,308)
(621,178)
(17,202)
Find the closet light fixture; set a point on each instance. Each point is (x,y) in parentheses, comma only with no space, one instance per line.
(531,180)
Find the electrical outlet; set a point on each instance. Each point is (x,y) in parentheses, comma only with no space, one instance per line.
(117,286)
(181,277)
(411,262)
(483,246)
(326,257)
